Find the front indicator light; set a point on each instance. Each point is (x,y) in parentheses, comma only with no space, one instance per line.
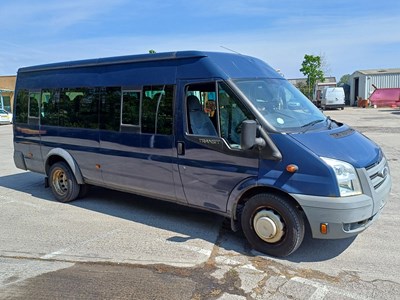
(292,168)
(323,228)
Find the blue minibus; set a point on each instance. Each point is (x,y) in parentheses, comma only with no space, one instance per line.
(220,132)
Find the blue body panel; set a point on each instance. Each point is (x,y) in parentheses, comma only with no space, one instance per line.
(342,143)
(312,178)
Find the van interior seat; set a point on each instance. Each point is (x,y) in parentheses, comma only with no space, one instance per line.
(199,121)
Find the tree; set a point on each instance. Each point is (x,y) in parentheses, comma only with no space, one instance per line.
(302,87)
(345,79)
(151,51)
(311,67)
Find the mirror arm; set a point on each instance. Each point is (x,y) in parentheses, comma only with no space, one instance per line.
(272,151)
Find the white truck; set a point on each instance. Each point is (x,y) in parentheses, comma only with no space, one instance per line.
(332,97)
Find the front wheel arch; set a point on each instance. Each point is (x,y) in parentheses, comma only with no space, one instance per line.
(252,191)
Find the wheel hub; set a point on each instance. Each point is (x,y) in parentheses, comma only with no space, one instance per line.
(268,226)
(60,182)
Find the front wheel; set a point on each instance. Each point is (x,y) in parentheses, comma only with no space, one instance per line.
(272,224)
(63,183)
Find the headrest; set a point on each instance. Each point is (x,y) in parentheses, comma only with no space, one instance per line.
(194,103)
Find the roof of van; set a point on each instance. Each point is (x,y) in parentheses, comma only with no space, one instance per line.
(115,60)
(163,68)
(218,58)
(177,55)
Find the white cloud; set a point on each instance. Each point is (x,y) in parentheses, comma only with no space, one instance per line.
(51,15)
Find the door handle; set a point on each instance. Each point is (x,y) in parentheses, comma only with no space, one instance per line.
(181,148)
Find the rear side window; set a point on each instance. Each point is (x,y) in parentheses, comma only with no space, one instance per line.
(79,108)
(130,108)
(27,107)
(34,100)
(146,110)
(70,107)
(110,112)
(50,103)
(21,107)
(157,109)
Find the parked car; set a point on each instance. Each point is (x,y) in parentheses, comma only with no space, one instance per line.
(5,117)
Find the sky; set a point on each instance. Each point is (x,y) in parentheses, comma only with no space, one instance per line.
(350,35)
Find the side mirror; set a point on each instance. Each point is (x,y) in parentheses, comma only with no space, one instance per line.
(248,138)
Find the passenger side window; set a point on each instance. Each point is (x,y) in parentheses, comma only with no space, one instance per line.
(213,109)
(34,100)
(79,108)
(130,108)
(201,109)
(157,109)
(50,103)
(70,107)
(110,112)
(21,108)
(232,113)
(33,114)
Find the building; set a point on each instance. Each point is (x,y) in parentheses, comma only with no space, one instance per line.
(303,81)
(7,87)
(364,82)
(317,88)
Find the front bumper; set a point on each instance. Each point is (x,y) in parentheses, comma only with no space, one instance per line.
(348,216)
(345,217)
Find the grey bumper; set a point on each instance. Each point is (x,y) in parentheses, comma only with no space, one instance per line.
(348,216)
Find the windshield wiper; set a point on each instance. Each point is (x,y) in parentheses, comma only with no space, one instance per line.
(311,124)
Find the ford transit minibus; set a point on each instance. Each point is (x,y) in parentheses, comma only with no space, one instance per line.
(216,131)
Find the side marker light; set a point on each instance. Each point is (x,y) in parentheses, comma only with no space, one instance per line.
(323,227)
(292,168)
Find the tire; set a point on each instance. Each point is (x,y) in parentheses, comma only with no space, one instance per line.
(63,183)
(272,225)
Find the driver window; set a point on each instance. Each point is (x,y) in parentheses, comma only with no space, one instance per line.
(201,109)
(232,113)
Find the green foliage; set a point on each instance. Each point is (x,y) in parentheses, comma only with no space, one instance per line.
(302,87)
(345,79)
(151,51)
(311,67)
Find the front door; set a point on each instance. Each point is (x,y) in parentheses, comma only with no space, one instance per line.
(211,162)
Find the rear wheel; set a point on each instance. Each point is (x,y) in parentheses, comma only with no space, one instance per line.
(272,225)
(63,183)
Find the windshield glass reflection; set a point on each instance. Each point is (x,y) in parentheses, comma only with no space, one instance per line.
(281,104)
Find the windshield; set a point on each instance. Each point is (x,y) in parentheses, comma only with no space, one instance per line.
(282,105)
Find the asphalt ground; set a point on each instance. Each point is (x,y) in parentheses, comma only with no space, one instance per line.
(113,245)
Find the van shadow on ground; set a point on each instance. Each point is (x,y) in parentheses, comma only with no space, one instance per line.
(189,223)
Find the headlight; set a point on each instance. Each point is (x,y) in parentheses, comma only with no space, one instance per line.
(346,175)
